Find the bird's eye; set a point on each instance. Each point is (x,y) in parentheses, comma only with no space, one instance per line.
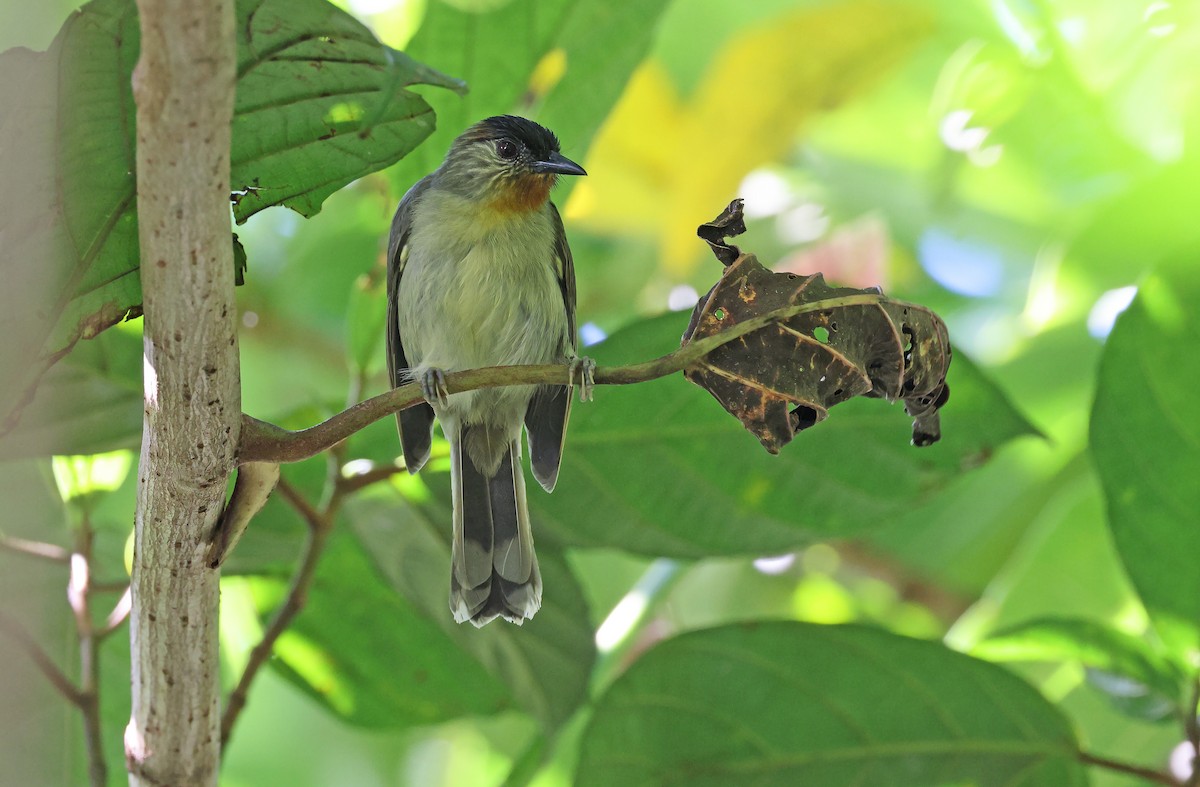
(506,149)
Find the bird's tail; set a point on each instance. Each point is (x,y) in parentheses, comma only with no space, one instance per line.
(494,571)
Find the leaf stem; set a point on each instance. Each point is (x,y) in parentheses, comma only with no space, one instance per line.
(1149,774)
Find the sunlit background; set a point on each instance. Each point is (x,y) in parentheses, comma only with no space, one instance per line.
(1016,165)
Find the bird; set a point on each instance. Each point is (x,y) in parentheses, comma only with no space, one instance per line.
(479,273)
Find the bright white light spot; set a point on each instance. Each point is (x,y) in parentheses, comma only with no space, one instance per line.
(1016,30)
(78,582)
(1157,18)
(962,266)
(250,319)
(1073,29)
(766,194)
(985,156)
(802,224)
(590,333)
(957,135)
(1042,304)
(149,381)
(1107,309)
(775,565)
(1181,761)
(357,467)
(684,296)
(621,620)
(135,744)
(366,7)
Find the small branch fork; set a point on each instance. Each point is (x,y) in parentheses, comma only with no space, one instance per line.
(319,520)
(80,587)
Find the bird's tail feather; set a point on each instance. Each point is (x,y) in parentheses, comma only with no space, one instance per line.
(494,571)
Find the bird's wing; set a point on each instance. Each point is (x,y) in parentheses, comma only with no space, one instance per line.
(550,407)
(415,423)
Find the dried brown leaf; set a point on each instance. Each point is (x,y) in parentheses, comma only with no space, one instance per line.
(784,378)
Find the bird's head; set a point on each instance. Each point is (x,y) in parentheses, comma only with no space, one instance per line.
(507,163)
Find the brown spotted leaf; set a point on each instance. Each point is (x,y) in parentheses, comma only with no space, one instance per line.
(784,377)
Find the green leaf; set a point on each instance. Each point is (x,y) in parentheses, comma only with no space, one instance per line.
(366,654)
(89,403)
(377,644)
(791,703)
(545,663)
(1145,671)
(598,43)
(1145,439)
(659,468)
(320,102)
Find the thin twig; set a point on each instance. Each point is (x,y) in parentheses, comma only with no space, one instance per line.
(79,596)
(1149,774)
(119,614)
(39,549)
(319,526)
(353,483)
(10,627)
(265,442)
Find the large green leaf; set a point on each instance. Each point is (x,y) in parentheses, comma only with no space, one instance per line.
(792,703)
(320,102)
(377,644)
(369,656)
(1142,670)
(545,663)
(597,42)
(659,468)
(1145,434)
(88,403)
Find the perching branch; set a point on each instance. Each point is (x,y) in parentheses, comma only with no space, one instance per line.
(264,442)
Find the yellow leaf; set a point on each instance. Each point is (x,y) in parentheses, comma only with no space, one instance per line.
(663,167)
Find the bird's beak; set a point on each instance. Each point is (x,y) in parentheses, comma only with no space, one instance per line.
(559,165)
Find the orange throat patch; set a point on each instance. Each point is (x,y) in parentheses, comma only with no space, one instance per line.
(522,194)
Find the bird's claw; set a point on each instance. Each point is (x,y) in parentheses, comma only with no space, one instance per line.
(586,369)
(433,386)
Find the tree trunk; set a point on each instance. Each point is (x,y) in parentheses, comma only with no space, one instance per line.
(183,86)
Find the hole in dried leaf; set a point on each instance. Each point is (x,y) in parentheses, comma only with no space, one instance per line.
(719,313)
(821,334)
(832,326)
(803,417)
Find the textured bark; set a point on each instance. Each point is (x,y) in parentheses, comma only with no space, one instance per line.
(184,87)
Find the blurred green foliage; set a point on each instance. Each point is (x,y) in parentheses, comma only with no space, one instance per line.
(1019,166)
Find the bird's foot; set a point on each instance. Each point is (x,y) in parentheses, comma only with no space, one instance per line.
(433,386)
(585,368)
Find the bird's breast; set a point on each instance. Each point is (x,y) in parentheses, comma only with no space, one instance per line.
(483,297)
